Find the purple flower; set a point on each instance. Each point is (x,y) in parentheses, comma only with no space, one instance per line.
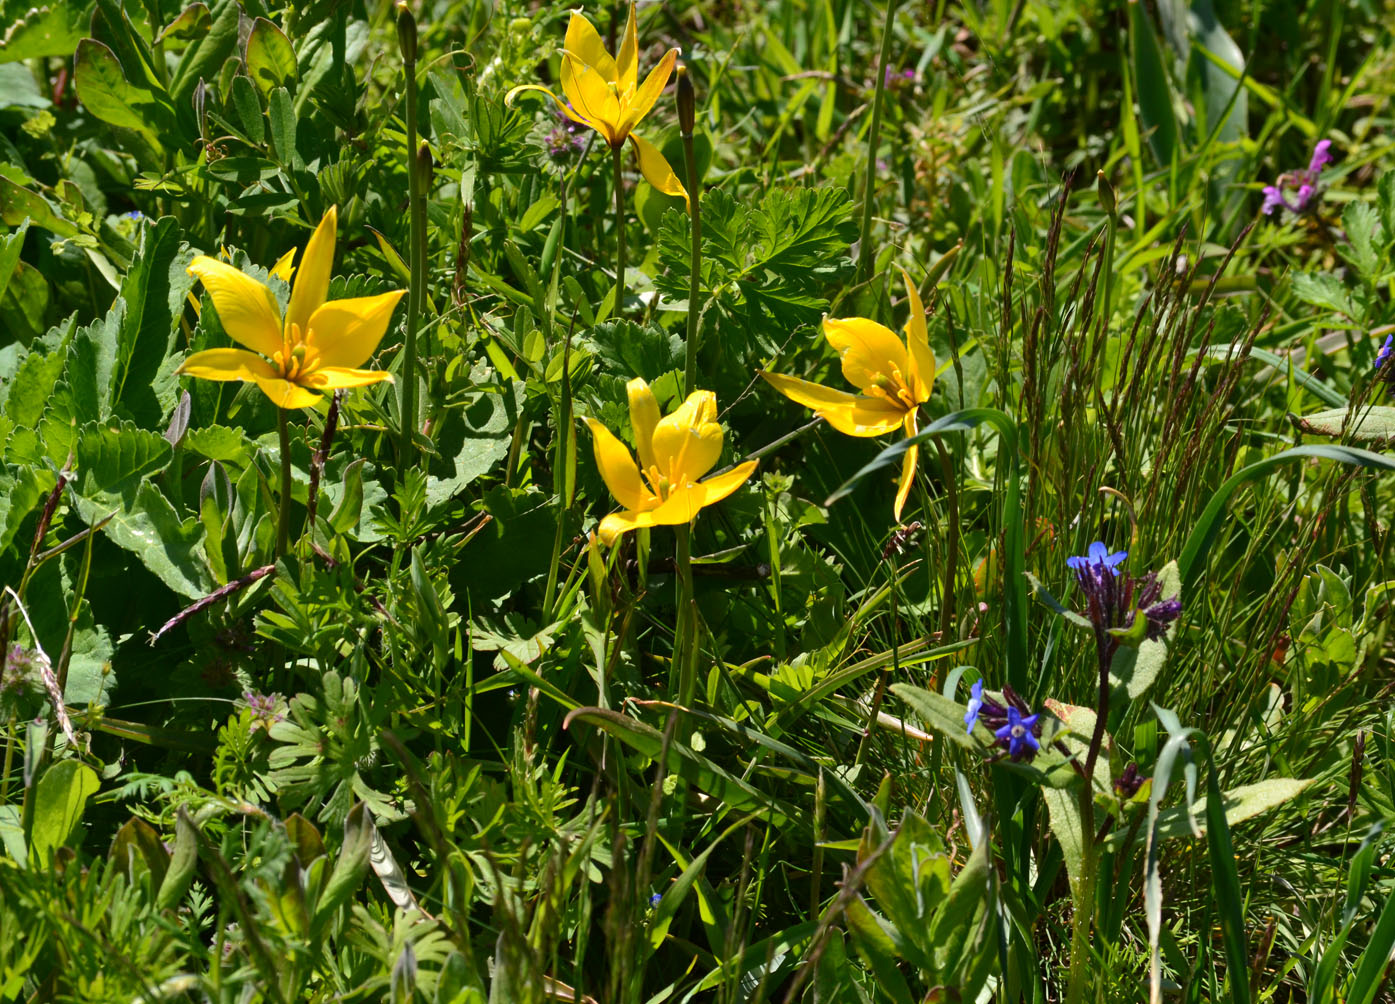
(1384,353)
(1302,183)
(1321,157)
(975,706)
(1017,733)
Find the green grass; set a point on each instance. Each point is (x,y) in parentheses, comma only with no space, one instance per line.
(437,749)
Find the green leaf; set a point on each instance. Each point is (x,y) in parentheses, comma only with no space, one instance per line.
(1325,291)
(1154,89)
(1063,811)
(18,205)
(1370,424)
(137,847)
(151,530)
(59,801)
(115,457)
(10,247)
(104,90)
(270,57)
(1225,883)
(204,59)
(217,442)
(351,866)
(184,860)
(1363,229)
(871,941)
(939,713)
(1283,364)
(281,113)
(191,24)
(50,30)
(1241,803)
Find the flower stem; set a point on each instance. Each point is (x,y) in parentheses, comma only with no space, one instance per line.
(864,253)
(416,252)
(685,648)
(283,515)
(695,262)
(618,155)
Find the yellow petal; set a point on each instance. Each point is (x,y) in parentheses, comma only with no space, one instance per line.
(644,416)
(566,108)
(285,394)
(285,266)
(627,59)
(908,462)
(347,332)
(688,442)
(616,523)
(922,359)
(246,309)
(584,42)
(718,488)
(643,99)
(655,169)
(227,364)
(871,352)
(592,97)
(312,280)
(848,413)
(339,377)
(618,469)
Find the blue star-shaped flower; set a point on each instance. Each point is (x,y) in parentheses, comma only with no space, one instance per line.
(975,705)
(1385,350)
(1018,733)
(1099,556)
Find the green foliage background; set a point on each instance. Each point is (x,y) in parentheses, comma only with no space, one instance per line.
(432,754)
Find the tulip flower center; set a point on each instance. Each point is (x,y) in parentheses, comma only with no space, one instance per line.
(297,356)
(892,388)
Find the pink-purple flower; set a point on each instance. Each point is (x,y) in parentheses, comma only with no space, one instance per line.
(1303,184)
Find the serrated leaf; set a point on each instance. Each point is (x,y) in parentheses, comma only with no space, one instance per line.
(115,457)
(1374,424)
(151,530)
(1324,291)
(217,442)
(1363,229)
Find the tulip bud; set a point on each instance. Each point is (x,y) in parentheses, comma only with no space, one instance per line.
(1106,193)
(424,166)
(406,32)
(687,102)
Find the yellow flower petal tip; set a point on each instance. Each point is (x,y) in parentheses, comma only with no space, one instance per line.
(675,451)
(893,377)
(319,345)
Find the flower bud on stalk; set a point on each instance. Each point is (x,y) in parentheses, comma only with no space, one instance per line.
(1108,199)
(687,102)
(406,32)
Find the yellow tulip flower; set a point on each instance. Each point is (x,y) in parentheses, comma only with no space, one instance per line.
(895,378)
(674,451)
(604,92)
(317,346)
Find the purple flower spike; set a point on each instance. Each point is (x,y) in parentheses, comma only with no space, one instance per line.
(1321,156)
(1018,734)
(975,706)
(1273,199)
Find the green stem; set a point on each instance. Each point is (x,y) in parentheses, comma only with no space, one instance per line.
(864,253)
(694,268)
(283,515)
(618,155)
(416,292)
(685,649)
(1084,907)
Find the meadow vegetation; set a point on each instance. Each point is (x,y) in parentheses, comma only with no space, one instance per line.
(727,502)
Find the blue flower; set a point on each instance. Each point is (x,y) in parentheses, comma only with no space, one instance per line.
(654,899)
(1018,734)
(975,706)
(1385,351)
(1099,556)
